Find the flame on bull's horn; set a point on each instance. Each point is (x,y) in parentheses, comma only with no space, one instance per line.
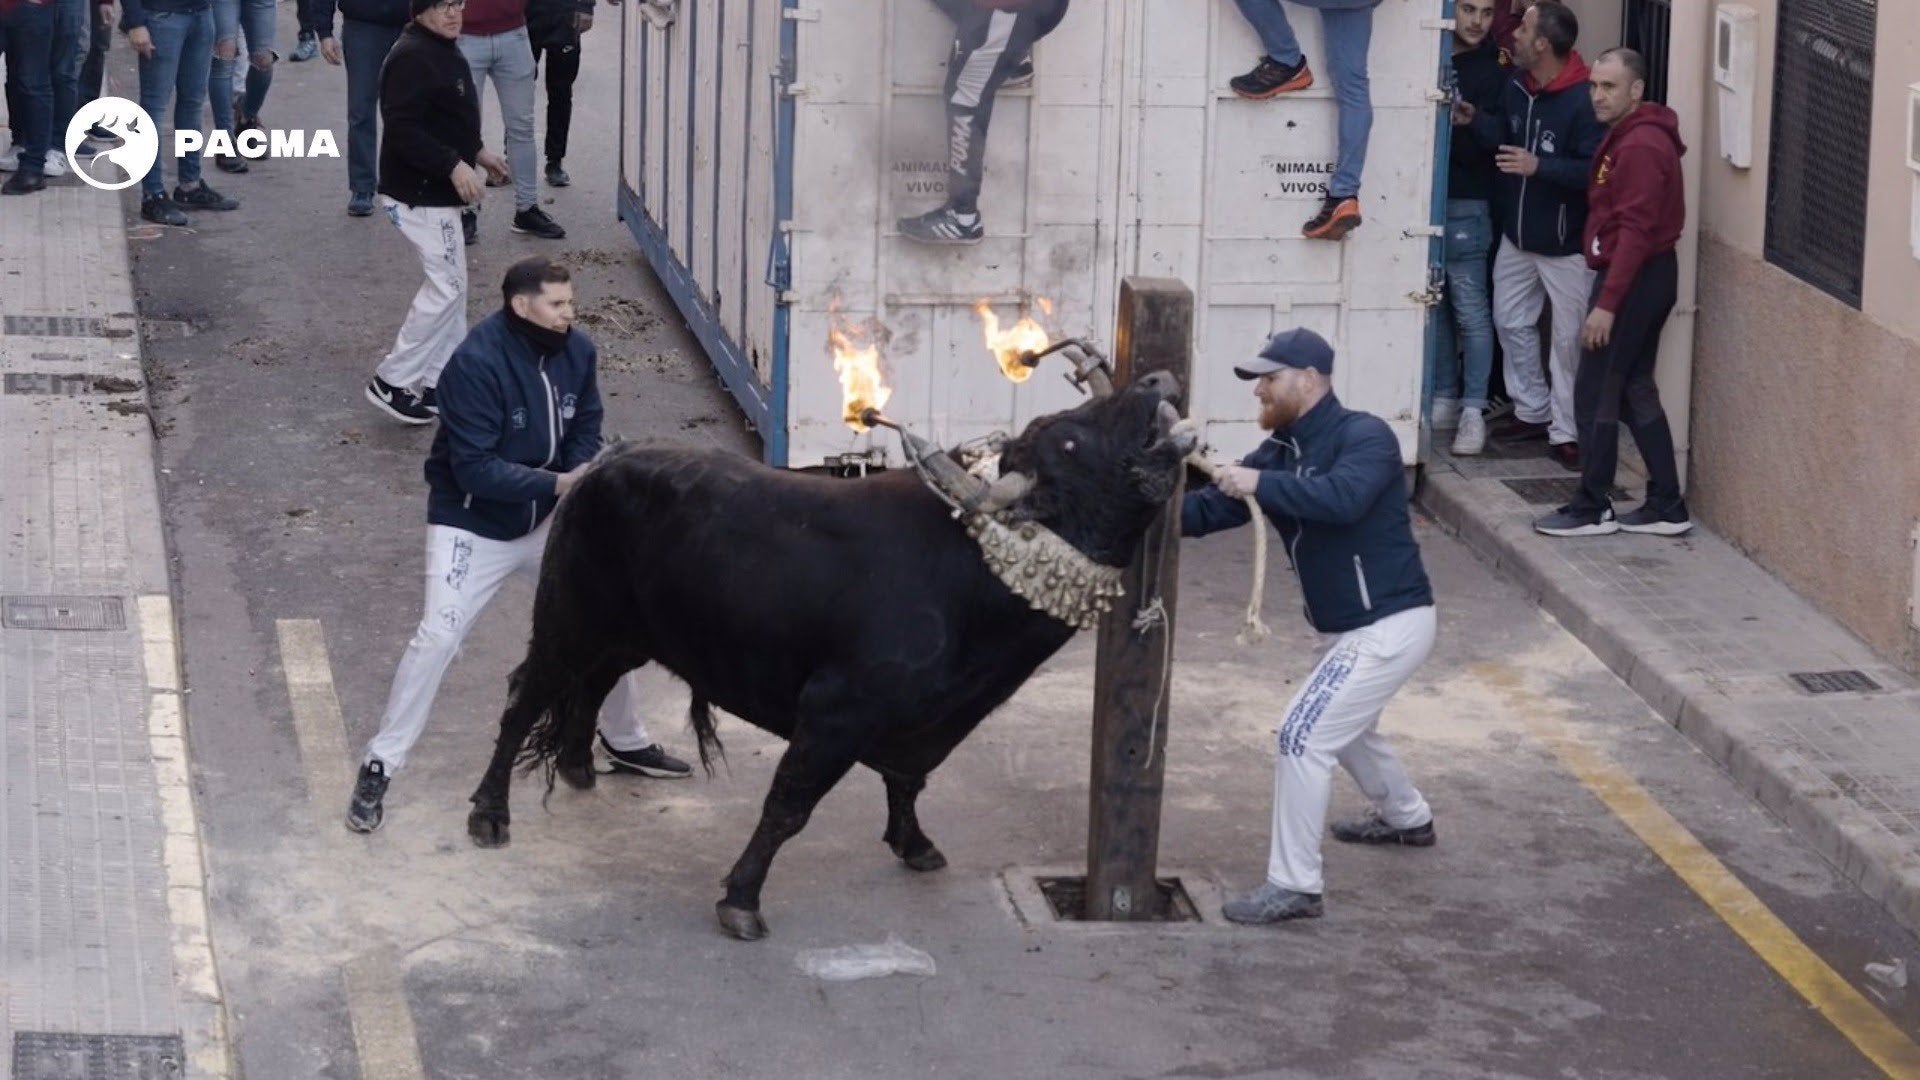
(1011,345)
(856,359)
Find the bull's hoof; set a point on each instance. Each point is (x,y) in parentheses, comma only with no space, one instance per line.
(488,828)
(578,777)
(744,925)
(927,860)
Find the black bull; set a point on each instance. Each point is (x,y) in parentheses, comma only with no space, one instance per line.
(855,619)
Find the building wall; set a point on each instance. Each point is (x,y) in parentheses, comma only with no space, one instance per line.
(1806,412)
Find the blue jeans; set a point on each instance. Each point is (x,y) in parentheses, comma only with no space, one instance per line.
(230,19)
(1466,322)
(26,38)
(508,59)
(365,45)
(70,39)
(182,55)
(1349,35)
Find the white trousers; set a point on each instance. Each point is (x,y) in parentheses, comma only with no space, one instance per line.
(464,571)
(1335,716)
(437,321)
(1521,283)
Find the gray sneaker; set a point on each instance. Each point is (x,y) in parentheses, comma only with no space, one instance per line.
(1271,904)
(1471,438)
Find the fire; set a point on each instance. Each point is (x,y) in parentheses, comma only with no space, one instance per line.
(1008,345)
(856,359)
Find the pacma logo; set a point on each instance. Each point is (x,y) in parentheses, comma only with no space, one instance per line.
(255,144)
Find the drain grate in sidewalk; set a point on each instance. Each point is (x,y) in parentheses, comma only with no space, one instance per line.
(59,1055)
(63,613)
(1553,491)
(52,326)
(1834,682)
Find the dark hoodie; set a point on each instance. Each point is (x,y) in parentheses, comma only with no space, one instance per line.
(1546,213)
(1637,205)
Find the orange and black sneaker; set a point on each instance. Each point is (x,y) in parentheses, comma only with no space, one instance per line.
(1338,216)
(1271,78)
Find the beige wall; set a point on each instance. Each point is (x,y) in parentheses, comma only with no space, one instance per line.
(1806,411)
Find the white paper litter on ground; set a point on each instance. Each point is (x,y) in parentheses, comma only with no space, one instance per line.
(849,962)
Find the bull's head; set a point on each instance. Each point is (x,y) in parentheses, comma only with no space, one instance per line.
(1098,474)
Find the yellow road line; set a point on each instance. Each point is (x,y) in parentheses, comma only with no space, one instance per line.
(383,1032)
(1869,1029)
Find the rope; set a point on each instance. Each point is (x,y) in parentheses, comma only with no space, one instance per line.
(1253,628)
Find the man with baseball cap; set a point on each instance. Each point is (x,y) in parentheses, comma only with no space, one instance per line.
(1329,478)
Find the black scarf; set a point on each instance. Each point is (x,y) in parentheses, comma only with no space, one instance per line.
(545,342)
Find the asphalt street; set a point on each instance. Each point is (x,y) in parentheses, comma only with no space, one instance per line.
(1546,935)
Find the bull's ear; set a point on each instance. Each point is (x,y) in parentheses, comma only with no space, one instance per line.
(1006,491)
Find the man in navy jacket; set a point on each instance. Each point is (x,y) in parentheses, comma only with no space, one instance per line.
(519,423)
(1329,479)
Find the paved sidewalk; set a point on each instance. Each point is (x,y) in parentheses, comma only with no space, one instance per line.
(104,954)
(1711,641)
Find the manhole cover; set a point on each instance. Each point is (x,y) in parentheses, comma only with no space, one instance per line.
(1554,491)
(52,326)
(59,1055)
(1067,899)
(62,613)
(1834,682)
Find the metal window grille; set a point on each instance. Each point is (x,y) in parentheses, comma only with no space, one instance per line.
(1822,121)
(1649,23)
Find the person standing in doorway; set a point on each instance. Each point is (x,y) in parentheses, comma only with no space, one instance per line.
(1349,36)
(1465,362)
(520,423)
(1542,134)
(992,46)
(430,162)
(1638,207)
(1329,479)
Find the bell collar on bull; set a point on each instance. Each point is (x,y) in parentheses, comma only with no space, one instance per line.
(1035,563)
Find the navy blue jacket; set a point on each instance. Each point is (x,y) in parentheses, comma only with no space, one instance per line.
(510,420)
(1332,485)
(1546,214)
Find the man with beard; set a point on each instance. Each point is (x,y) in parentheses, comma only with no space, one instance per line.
(519,424)
(1329,478)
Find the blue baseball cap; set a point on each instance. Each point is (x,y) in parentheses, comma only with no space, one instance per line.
(1298,347)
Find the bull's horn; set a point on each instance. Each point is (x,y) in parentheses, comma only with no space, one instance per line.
(1098,383)
(1006,491)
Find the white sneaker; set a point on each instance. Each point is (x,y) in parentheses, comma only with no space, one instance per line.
(1446,412)
(56,164)
(10,161)
(1471,439)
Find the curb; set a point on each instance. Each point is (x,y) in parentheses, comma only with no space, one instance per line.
(1884,867)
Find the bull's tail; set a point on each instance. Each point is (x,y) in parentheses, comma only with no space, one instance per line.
(700,715)
(560,742)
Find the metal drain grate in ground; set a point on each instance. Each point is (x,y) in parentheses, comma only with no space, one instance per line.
(63,613)
(1834,682)
(40,382)
(1553,491)
(59,1055)
(52,326)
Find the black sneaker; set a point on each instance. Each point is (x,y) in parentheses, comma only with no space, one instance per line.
(534,222)
(1645,518)
(945,226)
(360,204)
(557,176)
(307,49)
(102,135)
(470,226)
(235,164)
(23,183)
(1372,830)
(364,812)
(403,405)
(203,198)
(1569,521)
(1271,903)
(243,123)
(1021,75)
(160,210)
(1270,78)
(652,761)
(430,401)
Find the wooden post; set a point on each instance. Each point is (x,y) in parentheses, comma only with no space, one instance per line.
(1133,667)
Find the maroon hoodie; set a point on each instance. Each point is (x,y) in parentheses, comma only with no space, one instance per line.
(1636,202)
(485,18)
